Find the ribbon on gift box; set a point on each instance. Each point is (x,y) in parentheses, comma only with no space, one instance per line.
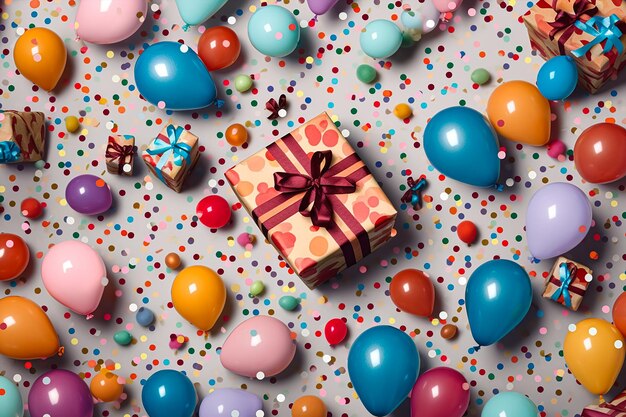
(118,153)
(9,152)
(170,146)
(603,29)
(566,22)
(565,276)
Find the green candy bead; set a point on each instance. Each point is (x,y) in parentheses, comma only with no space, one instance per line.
(257,288)
(288,302)
(123,338)
(366,73)
(481,76)
(243,83)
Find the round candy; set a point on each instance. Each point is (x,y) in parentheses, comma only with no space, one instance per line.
(72,124)
(289,302)
(481,76)
(274,31)
(246,239)
(243,83)
(403,111)
(172,260)
(380,39)
(366,73)
(308,406)
(88,194)
(213,211)
(236,134)
(257,288)
(556,148)
(449,331)
(14,256)
(123,338)
(31,208)
(105,386)
(144,316)
(335,331)
(467,232)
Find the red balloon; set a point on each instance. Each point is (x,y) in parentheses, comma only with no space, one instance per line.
(440,392)
(14,256)
(31,208)
(218,48)
(412,291)
(335,331)
(467,232)
(619,313)
(213,211)
(600,153)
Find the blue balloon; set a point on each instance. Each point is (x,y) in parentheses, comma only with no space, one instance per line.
(380,39)
(172,76)
(274,31)
(168,393)
(509,404)
(11,401)
(497,298)
(383,364)
(195,12)
(462,145)
(557,78)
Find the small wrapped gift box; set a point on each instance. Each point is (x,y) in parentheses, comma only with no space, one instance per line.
(314,200)
(172,155)
(615,408)
(568,283)
(593,32)
(120,154)
(22,136)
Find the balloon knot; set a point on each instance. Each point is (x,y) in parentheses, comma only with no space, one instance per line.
(219,103)
(89,316)
(315,18)
(61,351)
(499,187)
(477,348)
(186,27)
(601,398)
(443,17)
(533,259)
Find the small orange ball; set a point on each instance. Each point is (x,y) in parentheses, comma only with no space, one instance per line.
(467,232)
(172,260)
(236,134)
(106,387)
(308,406)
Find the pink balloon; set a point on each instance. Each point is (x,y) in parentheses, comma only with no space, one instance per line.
(445,6)
(109,21)
(321,6)
(440,392)
(74,275)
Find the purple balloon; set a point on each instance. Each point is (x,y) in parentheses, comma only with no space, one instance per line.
(321,6)
(222,402)
(88,194)
(60,393)
(557,219)
(440,392)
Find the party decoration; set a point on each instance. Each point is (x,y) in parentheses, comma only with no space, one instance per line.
(11,400)
(14,256)
(413,24)
(288,302)
(594,352)
(320,7)
(558,77)
(413,195)
(43,65)
(600,153)
(568,283)
(178,341)
(467,232)
(120,154)
(498,296)
(60,393)
(277,108)
(123,338)
(168,393)
(88,194)
(31,208)
(460,143)
(257,288)
(380,39)
(171,76)
(72,124)
(519,112)
(195,12)
(412,291)
(109,21)
(145,316)
(335,331)
(480,76)
(172,260)
(218,47)
(558,218)
(619,313)
(243,83)
(383,353)
(424,14)
(403,111)
(106,386)
(448,331)
(22,136)
(236,134)
(607,409)
(213,211)
(366,73)
(199,295)
(308,406)
(246,240)
(556,149)
(509,404)
(445,6)
(258,337)
(274,31)
(440,392)
(226,402)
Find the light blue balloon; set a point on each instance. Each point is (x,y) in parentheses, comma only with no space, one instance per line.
(411,20)
(11,401)
(172,76)
(557,78)
(462,145)
(380,39)
(168,393)
(497,297)
(383,364)
(274,31)
(194,12)
(509,404)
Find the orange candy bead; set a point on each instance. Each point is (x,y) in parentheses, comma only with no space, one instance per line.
(308,406)
(106,387)
(236,134)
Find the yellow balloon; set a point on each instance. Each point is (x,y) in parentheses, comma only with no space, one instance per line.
(519,112)
(40,55)
(594,352)
(199,295)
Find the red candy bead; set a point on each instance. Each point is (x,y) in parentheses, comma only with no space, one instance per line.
(335,331)
(31,208)
(213,211)
(467,232)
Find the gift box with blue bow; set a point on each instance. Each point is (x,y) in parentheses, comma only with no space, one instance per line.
(567,283)
(22,136)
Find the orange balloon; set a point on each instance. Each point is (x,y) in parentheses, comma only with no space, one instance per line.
(308,406)
(236,134)
(14,256)
(218,47)
(40,55)
(26,331)
(106,386)
(619,313)
(412,291)
(519,112)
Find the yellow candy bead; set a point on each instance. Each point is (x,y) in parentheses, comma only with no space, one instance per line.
(403,111)
(72,124)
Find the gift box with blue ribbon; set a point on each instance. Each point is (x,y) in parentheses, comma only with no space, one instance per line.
(567,283)
(22,136)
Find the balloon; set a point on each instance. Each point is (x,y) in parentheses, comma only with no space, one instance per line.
(236,134)
(199,295)
(413,292)
(10,401)
(213,211)
(60,393)
(172,76)
(44,64)
(509,404)
(14,256)
(558,218)
(467,232)
(594,352)
(619,313)
(74,275)
(194,12)
(429,15)
(460,143)
(225,401)
(380,39)
(498,296)
(440,392)
(558,77)
(383,364)
(274,31)
(218,48)
(308,406)
(26,331)
(320,7)
(519,112)
(168,393)
(413,24)
(109,21)
(445,6)
(88,194)
(600,153)
(106,386)
(335,331)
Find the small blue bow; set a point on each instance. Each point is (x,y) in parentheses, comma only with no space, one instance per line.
(9,152)
(413,195)
(565,275)
(602,29)
(179,151)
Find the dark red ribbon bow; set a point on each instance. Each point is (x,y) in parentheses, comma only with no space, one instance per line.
(119,152)
(274,107)
(316,188)
(564,20)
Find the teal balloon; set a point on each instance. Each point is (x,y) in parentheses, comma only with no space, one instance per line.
(274,31)
(557,78)
(168,393)
(383,364)
(462,145)
(380,39)
(194,12)
(172,76)
(509,404)
(497,297)
(11,401)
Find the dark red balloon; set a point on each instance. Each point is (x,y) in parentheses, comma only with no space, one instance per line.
(335,331)
(600,153)
(14,256)
(412,291)
(213,211)
(218,48)
(467,232)
(440,392)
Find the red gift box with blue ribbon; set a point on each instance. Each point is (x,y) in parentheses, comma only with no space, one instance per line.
(567,283)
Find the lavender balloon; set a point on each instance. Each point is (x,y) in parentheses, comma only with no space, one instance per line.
(222,402)
(60,393)
(557,219)
(321,6)
(88,194)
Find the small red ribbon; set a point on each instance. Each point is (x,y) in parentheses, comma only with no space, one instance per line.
(564,20)
(119,152)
